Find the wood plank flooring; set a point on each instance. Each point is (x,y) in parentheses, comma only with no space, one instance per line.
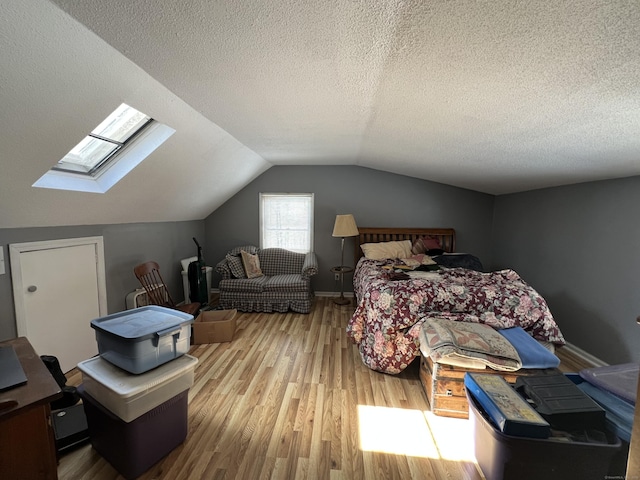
(290,398)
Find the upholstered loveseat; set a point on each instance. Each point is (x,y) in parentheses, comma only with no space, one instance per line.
(284,282)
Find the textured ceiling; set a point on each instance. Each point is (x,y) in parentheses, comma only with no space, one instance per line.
(494,96)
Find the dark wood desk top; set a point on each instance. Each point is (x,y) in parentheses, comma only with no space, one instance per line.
(41,387)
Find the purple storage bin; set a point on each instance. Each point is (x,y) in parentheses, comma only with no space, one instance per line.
(133,448)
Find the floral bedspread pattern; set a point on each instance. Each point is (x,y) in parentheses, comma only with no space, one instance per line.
(389,313)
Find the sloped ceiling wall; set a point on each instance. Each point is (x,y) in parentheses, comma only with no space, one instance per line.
(58,81)
(492,96)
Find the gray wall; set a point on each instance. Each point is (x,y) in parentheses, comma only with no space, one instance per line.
(375,198)
(578,246)
(124,247)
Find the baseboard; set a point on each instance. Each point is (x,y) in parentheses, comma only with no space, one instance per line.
(332,294)
(317,294)
(578,352)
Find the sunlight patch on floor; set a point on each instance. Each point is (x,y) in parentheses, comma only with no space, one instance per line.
(454,437)
(395,430)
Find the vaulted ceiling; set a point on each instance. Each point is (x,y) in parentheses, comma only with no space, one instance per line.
(494,96)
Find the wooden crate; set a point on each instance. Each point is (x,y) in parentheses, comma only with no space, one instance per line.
(444,385)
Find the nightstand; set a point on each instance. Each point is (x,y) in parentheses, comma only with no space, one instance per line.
(341,270)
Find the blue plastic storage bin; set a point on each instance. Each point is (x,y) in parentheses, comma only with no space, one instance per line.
(505,457)
(619,415)
(141,339)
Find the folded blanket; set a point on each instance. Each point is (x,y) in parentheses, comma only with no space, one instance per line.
(448,341)
(531,353)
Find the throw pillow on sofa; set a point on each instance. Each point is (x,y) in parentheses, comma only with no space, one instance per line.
(235,265)
(251,264)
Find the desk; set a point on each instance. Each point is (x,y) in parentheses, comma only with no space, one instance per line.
(341,270)
(27,443)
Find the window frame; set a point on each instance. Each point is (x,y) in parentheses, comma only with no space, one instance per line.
(263,200)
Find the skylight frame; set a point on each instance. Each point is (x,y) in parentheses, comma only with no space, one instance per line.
(97,134)
(135,149)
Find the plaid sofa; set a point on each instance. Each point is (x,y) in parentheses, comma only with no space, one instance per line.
(285,283)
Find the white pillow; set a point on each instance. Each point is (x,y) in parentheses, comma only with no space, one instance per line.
(382,250)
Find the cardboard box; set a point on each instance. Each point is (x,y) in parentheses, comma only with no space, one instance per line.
(214,326)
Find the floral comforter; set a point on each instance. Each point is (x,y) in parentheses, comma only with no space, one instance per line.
(389,313)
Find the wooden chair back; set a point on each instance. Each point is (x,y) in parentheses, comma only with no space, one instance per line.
(148,274)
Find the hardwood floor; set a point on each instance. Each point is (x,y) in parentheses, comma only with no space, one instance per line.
(289,398)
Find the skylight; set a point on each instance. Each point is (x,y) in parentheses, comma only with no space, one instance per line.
(108,153)
(105,140)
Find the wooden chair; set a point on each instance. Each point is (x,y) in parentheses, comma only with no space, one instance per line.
(148,274)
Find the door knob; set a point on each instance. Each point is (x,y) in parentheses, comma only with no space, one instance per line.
(32,288)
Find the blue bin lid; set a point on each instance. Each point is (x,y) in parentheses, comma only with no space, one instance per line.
(141,322)
(621,380)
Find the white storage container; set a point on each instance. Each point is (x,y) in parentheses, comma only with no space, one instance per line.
(130,396)
(143,338)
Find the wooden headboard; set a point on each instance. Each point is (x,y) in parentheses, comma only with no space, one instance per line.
(447,237)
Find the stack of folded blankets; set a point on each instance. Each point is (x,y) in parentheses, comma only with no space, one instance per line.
(450,348)
(477,346)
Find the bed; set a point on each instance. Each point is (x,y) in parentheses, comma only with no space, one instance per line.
(392,304)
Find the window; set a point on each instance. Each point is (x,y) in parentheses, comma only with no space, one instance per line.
(286,221)
(104,141)
(108,153)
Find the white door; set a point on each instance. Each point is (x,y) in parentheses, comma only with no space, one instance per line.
(57,292)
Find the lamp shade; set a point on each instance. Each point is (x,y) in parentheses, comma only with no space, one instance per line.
(345,226)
